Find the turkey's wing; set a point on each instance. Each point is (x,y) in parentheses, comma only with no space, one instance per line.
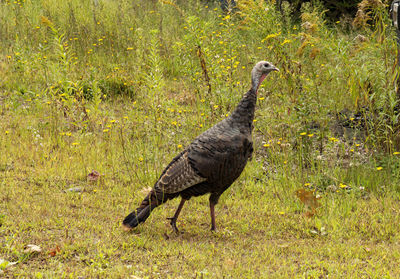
(178,175)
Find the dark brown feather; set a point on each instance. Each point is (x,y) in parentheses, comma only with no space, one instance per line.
(178,176)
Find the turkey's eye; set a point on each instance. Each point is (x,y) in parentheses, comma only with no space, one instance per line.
(266,65)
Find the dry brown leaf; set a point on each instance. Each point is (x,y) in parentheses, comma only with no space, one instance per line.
(310,214)
(310,201)
(93,176)
(54,251)
(229,264)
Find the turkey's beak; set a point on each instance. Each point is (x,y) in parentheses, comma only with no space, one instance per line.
(275,69)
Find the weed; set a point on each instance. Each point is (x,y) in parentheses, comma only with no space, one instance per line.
(120,87)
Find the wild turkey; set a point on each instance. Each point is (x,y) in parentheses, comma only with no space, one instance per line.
(211,163)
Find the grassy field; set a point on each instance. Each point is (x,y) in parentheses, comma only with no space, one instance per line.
(120,87)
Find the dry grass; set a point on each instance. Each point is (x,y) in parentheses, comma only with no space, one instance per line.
(122,92)
(262,227)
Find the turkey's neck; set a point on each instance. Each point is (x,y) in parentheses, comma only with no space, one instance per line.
(244,112)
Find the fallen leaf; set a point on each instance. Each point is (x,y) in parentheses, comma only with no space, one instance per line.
(4,264)
(229,264)
(54,251)
(74,189)
(307,197)
(32,248)
(321,231)
(93,176)
(310,214)
(310,201)
(284,245)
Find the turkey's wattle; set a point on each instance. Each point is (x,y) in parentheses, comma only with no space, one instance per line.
(211,163)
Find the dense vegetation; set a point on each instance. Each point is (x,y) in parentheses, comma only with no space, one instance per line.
(121,86)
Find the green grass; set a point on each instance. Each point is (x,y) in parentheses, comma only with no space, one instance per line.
(120,89)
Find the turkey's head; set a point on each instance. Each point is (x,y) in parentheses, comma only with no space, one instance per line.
(259,72)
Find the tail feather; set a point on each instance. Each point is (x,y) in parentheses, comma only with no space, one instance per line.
(142,212)
(136,217)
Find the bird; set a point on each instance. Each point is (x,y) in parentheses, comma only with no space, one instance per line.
(211,163)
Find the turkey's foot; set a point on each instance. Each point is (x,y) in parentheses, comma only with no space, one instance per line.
(173,224)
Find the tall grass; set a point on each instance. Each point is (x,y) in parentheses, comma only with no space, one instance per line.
(122,86)
(141,47)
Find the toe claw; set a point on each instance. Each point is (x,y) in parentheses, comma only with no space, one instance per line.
(173,224)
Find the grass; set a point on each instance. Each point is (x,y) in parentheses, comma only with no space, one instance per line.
(121,90)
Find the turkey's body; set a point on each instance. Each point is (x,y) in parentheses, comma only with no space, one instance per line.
(221,153)
(210,164)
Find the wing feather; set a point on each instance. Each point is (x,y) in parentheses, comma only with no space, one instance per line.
(178,176)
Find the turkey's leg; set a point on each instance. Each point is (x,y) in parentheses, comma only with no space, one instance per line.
(173,219)
(212,213)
